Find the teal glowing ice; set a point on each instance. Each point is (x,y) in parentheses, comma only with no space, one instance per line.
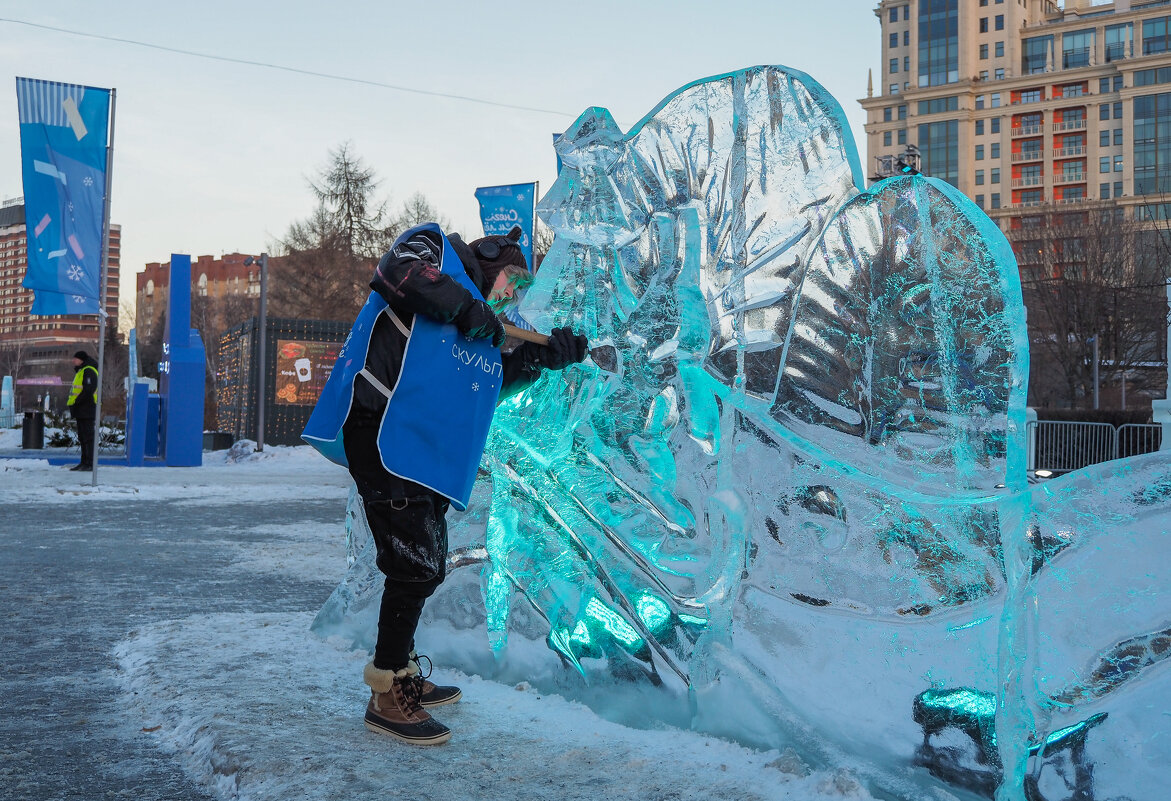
(798,506)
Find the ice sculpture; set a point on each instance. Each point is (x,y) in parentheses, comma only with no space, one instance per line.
(801,497)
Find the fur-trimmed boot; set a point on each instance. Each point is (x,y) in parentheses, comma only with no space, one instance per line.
(394,706)
(433,694)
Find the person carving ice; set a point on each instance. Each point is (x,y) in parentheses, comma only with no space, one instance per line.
(407,410)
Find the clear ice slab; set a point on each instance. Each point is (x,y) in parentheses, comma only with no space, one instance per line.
(799,507)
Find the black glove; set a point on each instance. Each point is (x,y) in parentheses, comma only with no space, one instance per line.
(564,348)
(478,321)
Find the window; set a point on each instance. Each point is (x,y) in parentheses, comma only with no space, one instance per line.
(1030,95)
(1031,173)
(983,25)
(1118,136)
(906,64)
(983,51)
(999,75)
(1117,107)
(1118,163)
(938,38)
(907,38)
(1031,197)
(1000,22)
(979,177)
(1103,85)
(979,127)
(995,200)
(983,75)
(902,136)
(938,144)
(1116,84)
(1104,164)
(886,113)
(939,105)
(994,175)
(894,65)
(1074,193)
(1155,38)
(1104,111)
(996,125)
(1118,37)
(1073,90)
(1076,47)
(1103,191)
(983,3)
(894,39)
(1035,54)
(902,112)
(994,99)
(1073,115)
(979,101)
(1118,189)
(894,14)
(893,89)
(1000,49)
(886,138)
(979,152)
(1103,139)
(995,150)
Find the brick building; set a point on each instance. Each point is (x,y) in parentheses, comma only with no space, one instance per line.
(38,349)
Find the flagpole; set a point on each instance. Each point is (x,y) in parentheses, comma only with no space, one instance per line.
(102,296)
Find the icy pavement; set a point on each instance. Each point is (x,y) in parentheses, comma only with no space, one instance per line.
(155,645)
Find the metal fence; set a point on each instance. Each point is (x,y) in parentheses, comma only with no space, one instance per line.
(1061,446)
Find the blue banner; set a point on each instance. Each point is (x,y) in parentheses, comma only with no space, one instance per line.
(63,145)
(502,207)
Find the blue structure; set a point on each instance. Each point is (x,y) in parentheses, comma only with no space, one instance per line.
(181,374)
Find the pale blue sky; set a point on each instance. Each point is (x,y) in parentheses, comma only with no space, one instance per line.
(212,157)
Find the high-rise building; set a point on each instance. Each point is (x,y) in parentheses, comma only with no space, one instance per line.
(227,282)
(1056,120)
(1020,103)
(38,348)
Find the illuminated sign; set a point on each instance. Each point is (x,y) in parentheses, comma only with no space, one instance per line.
(302,368)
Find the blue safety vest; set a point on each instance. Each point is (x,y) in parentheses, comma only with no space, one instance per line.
(438,414)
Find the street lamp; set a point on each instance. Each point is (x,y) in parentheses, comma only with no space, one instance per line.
(260,346)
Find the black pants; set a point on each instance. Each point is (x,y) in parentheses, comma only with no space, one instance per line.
(409,526)
(85,435)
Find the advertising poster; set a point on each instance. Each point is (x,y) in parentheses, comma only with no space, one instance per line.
(302,368)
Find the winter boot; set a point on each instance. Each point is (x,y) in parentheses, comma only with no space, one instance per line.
(433,695)
(394,706)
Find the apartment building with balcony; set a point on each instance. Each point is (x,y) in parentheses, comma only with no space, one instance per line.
(1023,103)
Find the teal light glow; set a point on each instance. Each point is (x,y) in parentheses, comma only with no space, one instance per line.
(653,612)
(612,622)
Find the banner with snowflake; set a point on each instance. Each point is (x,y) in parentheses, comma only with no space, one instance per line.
(502,207)
(63,145)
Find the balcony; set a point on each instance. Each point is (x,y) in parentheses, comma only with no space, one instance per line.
(1067,200)
(1069,178)
(1028,155)
(1031,180)
(1027,130)
(1069,125)
(1069,152)
(1024,204)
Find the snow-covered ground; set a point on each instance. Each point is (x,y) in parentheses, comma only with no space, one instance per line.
(251,705)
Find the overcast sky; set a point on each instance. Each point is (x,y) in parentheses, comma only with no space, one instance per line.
(212,157)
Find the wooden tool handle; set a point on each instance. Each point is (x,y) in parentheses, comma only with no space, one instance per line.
(527,336)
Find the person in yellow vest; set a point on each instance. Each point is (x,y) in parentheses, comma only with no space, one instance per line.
(83,405)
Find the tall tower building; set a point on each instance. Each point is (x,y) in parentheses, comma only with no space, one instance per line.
(39,348)
(1056,120)
(1021,103)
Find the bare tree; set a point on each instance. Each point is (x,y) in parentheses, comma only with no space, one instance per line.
(326,260)
(415,210)
(1091,277)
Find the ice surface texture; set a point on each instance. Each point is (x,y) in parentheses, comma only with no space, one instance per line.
(799,504)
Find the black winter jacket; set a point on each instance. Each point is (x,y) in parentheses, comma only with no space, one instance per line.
(409,280)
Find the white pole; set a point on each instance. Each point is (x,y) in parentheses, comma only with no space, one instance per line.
(102,295)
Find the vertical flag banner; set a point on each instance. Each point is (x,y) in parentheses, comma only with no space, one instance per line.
(63,144)
(502,207)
